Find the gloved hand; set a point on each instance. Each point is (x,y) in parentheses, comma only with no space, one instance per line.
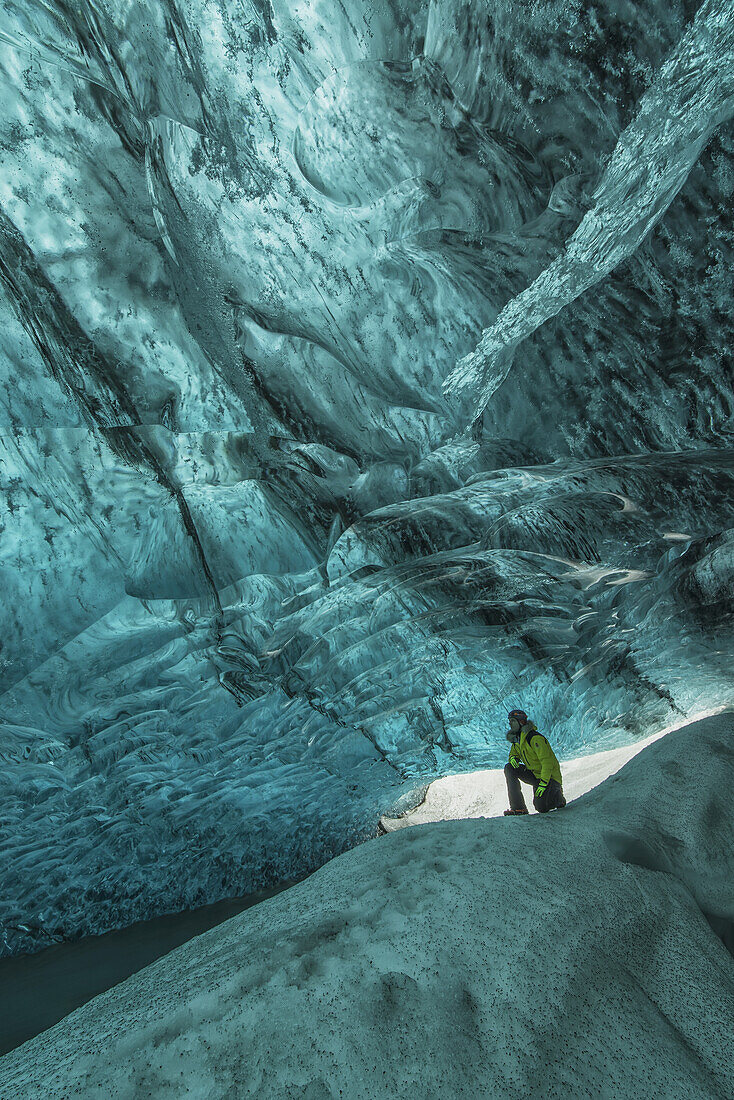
(541,788)
(516,761)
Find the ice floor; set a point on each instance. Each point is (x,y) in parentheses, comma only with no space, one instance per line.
(36,991)
(586,953)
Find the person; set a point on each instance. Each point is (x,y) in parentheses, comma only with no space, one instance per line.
(532,761)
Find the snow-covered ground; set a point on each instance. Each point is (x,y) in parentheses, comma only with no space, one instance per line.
(484,793)
(579,954)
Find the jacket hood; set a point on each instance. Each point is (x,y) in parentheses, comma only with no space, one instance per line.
(528,728)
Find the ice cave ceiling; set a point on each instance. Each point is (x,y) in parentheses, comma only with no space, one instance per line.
(365,369)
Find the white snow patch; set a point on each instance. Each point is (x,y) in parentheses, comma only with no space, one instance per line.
(484,793)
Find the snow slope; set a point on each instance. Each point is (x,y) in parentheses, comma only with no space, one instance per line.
(579,954)
(483,793)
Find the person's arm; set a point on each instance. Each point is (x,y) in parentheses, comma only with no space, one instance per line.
(515,759)
(546,756)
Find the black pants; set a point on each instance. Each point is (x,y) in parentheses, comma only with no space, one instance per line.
(551,798)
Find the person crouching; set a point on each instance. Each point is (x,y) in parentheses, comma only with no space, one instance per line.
(532,761)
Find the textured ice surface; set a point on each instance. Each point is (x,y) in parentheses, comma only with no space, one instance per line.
(261,577)
(691,95)
(577,954)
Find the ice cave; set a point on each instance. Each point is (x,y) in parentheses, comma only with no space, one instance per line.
(366,372)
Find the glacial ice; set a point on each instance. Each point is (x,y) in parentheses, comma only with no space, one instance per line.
(692,95)
(262,578)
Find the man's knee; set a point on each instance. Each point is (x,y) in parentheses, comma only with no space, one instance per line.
(509,770)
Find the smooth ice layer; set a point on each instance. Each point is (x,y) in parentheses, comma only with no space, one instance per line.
(580,953)
(262,579)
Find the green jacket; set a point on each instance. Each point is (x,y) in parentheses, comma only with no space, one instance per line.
(535,752)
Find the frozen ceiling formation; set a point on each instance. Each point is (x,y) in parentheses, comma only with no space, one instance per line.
(365,369)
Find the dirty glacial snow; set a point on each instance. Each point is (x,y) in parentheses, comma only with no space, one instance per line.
(584,953)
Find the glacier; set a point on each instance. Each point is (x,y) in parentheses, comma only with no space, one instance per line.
(365,371)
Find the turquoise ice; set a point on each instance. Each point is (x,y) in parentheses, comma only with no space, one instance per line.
(263,577)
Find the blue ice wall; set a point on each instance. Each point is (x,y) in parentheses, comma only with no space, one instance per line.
(365,370)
